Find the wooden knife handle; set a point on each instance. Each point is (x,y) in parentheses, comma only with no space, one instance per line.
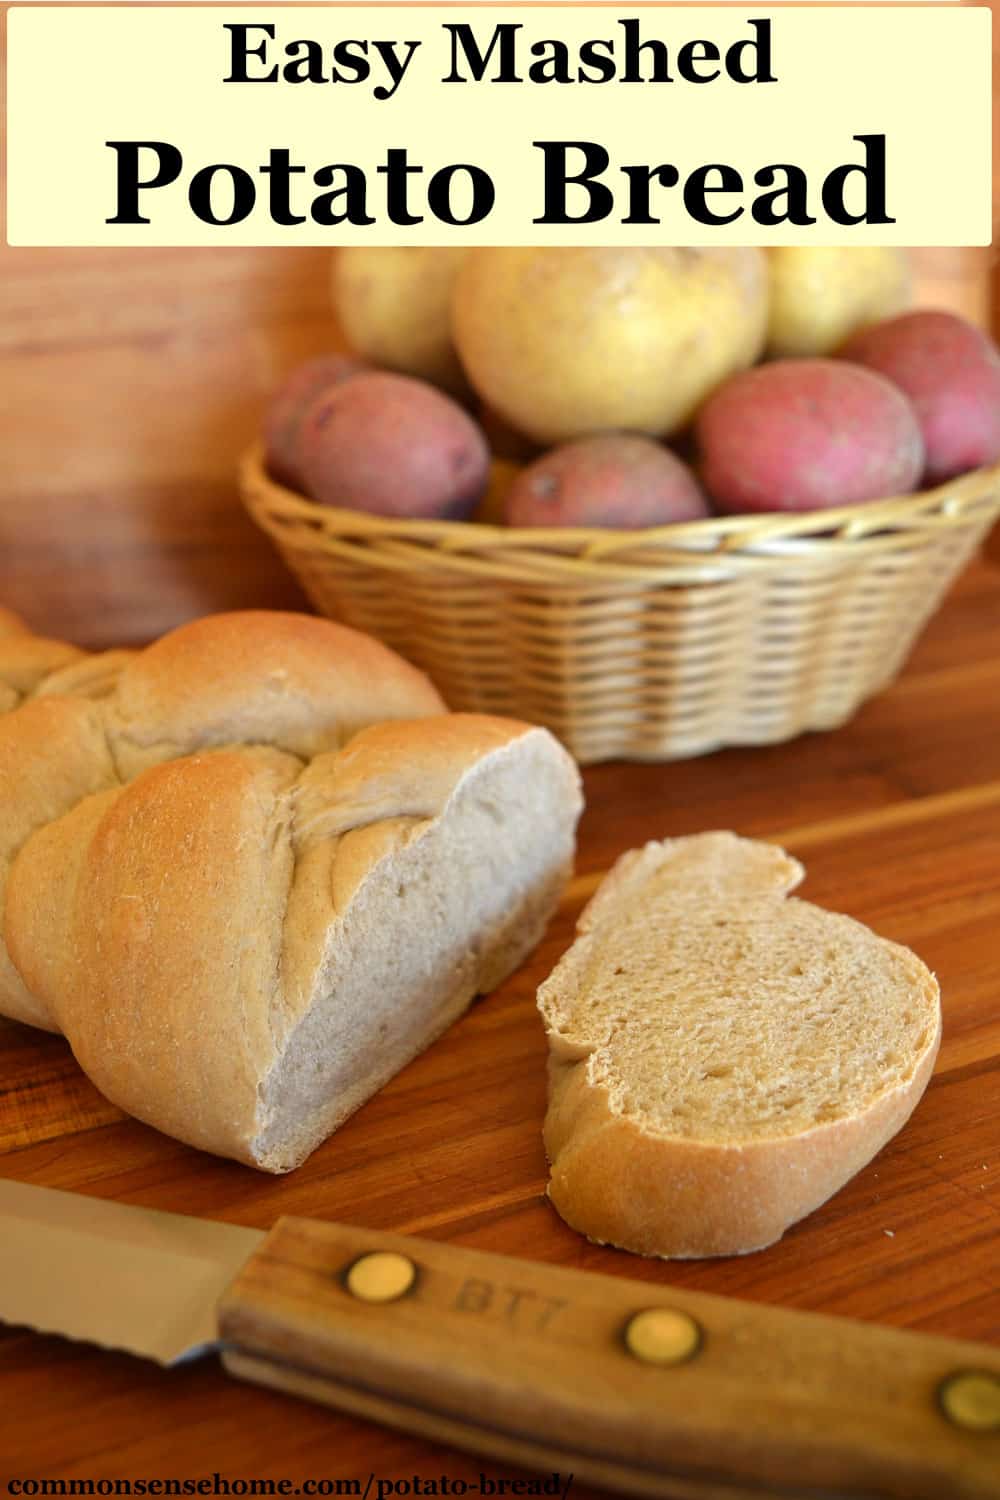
(629,1385)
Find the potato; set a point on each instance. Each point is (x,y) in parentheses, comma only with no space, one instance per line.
(566,342)
(393,304)
(951,373)
(803,434)
(820,296)
(289,404)
(392,446)
(490,510)
(612,479)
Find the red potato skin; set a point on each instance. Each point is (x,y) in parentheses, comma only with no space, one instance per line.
(807,434)
(393,446)
(950,371)
(611,479)
(289,404)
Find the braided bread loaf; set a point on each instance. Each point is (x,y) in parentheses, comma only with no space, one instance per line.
(32,665)
(252,870)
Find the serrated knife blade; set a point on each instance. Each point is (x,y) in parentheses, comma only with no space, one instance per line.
(634,1386)
(127,1278)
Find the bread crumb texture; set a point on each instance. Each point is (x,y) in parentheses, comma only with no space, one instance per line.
(723,1056)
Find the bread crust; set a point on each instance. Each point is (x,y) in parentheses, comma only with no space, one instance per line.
(53,754)
(296,682)
(155,921)
(82,723)
(186,831)
(149,921)
(26,661)
(679,1199)
(11,623)
(621,1178)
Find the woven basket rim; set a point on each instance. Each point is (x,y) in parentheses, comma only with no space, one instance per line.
(769,533)
(612,561)
(642,644)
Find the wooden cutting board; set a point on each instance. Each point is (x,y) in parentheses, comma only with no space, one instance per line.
(897,817)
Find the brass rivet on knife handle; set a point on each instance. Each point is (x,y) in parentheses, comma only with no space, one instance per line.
(971,1399)
(662,1336)
(653,1390)
(382,1276)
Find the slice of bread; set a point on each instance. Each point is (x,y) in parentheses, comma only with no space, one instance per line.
(723,1058)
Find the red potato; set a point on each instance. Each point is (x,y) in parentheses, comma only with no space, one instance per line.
(805,434)
(289,404)
(393,446)
(950,371)
(611,479)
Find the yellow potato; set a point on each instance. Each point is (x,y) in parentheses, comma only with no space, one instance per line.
(819,297)
(564,342)
(393,306)
(490,510)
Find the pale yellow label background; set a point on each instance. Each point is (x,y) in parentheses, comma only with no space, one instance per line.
(83,75)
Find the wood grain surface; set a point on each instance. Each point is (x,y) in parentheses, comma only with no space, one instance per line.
(129,384)
(547,1366)
(897,816)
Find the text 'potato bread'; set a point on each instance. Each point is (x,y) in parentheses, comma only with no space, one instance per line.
(263,869)
(723,1057)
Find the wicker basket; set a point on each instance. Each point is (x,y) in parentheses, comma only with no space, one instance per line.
(643,645)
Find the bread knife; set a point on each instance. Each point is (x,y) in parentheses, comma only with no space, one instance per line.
(628,1385)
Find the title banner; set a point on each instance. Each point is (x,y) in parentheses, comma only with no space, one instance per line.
(268,125)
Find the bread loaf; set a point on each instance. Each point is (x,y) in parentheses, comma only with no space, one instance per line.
(11,623)
(262,870)
(31,664)
(723,1058)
